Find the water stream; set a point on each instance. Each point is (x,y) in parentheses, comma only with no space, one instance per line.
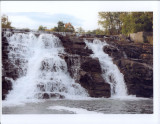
(110,71)
(43,72)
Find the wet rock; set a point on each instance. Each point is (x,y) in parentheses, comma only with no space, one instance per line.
(74,45)
(50,96)
(95,85)
(138,77)
(41,87)
(6,87)
(91,65)
(45,96)
(56,95)
(113,51)
(91,78)
(137,66)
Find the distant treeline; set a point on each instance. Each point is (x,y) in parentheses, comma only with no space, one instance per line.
(112,23)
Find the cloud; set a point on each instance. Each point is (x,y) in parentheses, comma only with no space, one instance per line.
(79,13)
(34,19)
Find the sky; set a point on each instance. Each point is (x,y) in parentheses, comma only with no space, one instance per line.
(32,14)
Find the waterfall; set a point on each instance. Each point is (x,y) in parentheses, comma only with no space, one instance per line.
(110,71)
(42,72)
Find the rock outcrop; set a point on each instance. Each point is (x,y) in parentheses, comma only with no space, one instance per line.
(142,37)
(135,61)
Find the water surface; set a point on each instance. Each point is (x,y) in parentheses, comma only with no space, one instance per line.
(103,106)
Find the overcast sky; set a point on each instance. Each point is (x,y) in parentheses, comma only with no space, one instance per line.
(32,14)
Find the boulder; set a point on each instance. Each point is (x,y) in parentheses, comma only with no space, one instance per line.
(142,37)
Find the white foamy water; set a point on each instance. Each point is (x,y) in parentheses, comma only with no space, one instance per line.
(40,68)
(74,110)
(110,71)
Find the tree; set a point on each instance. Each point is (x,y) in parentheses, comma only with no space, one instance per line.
(96,31)
(110,22)
(126,22)
(80,30)
(55,29)
(5,22)
(136,22)
(69,27)
(41,28)
(61,27)
(89,32)
(99,32)
(127,26)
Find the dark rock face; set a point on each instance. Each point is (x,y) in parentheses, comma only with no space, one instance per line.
(91,65)
(136,66)
(6,87)
(91,79)
(138,77)
(74,46)
(8,69)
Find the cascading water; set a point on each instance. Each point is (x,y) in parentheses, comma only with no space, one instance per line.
(110,71)
(43,71)
(75,66)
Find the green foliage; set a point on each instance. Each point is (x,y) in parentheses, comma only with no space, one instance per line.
(61,27)
(69,27)
(41,28)
(55,29)
(126,22)
(110,22)
(5,22)
(136,22)
(96,31)
(80,30)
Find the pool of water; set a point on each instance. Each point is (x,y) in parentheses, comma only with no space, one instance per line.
(93,106)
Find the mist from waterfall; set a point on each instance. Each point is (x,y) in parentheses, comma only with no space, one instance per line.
(40,67)
(110,71)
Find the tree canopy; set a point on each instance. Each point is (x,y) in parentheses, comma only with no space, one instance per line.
(96,31)
(42,28)
(110,21)
(63,27)
(80,30)
(69,27)
(126,22)
(136,22)
(5,22)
